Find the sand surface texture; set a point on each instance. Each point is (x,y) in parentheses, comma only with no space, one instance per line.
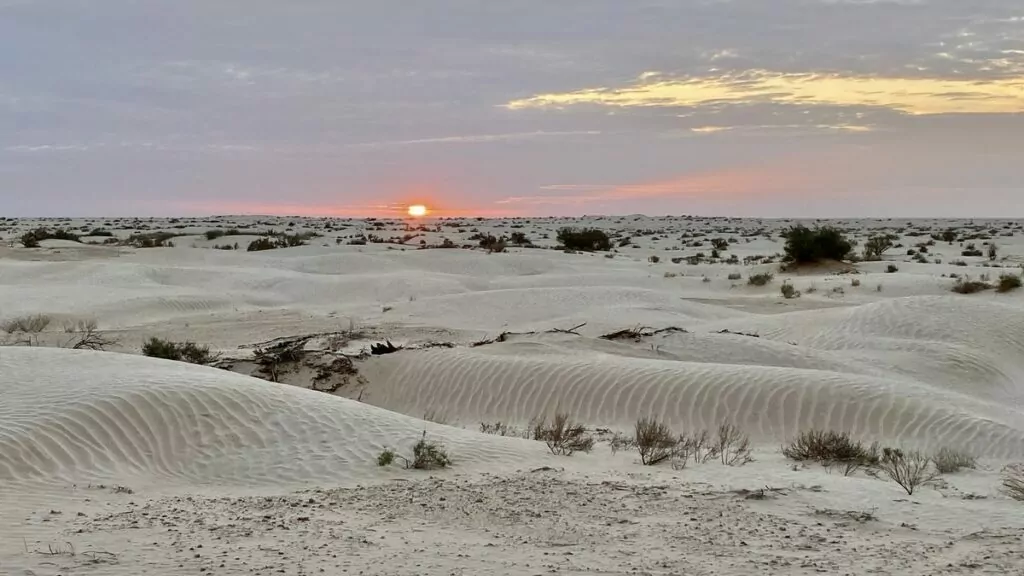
(115,463)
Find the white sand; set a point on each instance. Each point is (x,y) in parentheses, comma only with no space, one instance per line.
(230,474)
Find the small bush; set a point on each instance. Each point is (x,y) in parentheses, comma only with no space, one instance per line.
(807,246)
(876,246)
(562,436)
(788,291)
(214,234)
(426,455)
(760,279)
(1008,282)
(181,351)
(829,447)
(892,269)
(386,457)
(429,455)
(587,239)
(654,259)
(29,240)
(261,244)
(966,286)
(735,276)
(948,461)
(910,469)
(733,446)
(655,441)
(1013,481)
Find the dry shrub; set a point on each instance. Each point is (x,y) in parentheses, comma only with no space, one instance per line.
(910,469)
(948,460)
(32,324)
(733,445)
(1013,481)
(1008,282)
(497,428)
(965,286)
(86,336)
(181,351)
(655,441)
(26,329)
(829,446)
(563,436)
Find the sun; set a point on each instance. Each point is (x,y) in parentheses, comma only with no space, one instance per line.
(417,210)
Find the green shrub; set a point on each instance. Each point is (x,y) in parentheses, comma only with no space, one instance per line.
(788,291)
(587,239)
(806,246)
(760,279)
(877,245)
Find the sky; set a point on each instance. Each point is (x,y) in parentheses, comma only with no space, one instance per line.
(772,108)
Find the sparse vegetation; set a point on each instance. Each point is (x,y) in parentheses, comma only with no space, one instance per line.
(426,455)
(788,291)
(760,279)
(832,448)
(181,351)
(25,330)
(563,436)
(948,460)
(1013,481)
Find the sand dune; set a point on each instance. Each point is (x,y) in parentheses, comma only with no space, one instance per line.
(72,417)
(112,463)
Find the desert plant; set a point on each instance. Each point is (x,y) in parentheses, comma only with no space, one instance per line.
(993,251)
(876,246)
(563,436)
(426,455)
(1008,282)
(181,351)
(760,279)
(807,246)
(386,457)
(496,428)
(260,244)
(429,455)
(788,291)
(85,336)
(948,460)
(654,440)
(1013,481)
(829,448)
(733,445)
(735,276)
(892,269)
(966,286)
(29,240)
(910,469)
(587,239)
(214,234)
(26,329)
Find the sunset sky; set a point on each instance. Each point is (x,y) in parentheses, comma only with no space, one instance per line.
(810,108)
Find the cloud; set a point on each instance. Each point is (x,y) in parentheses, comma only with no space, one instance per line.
(911,95)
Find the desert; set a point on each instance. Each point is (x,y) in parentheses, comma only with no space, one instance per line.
(421,395)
